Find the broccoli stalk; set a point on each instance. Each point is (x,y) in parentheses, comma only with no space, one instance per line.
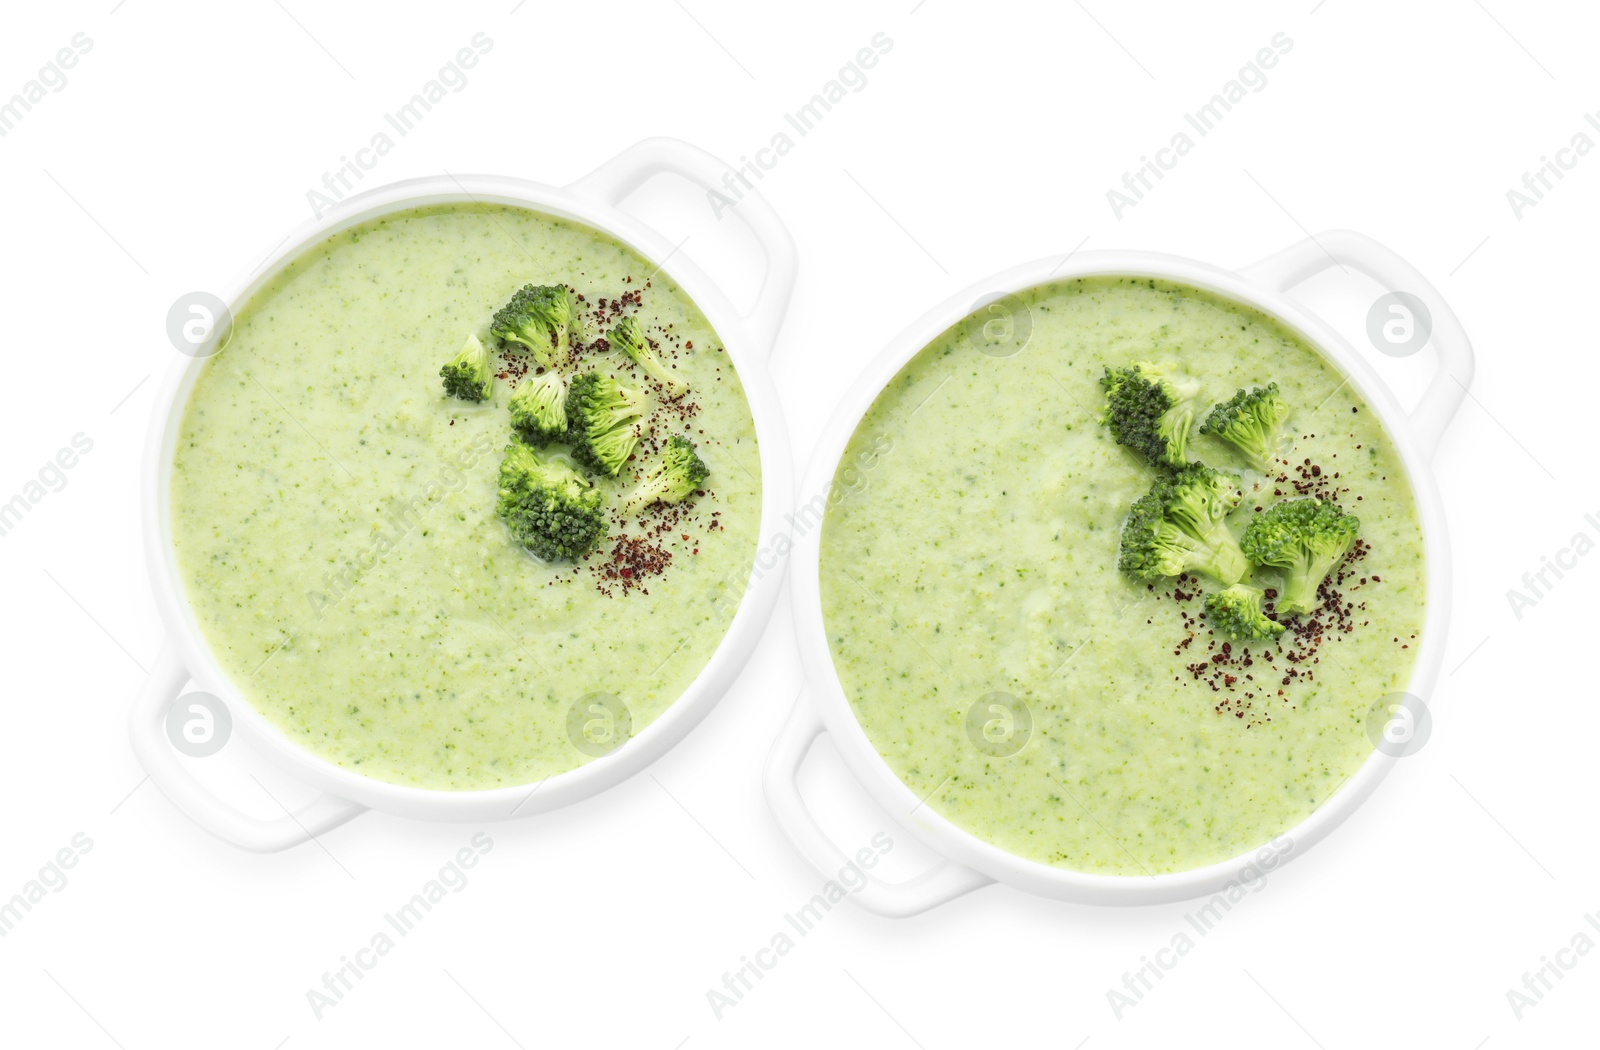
(543,319)
(679,474)
(1237,612)
(1181,526)
(1150,409)
(1306,538)
(468,375)
(603,422)
(1252,422)
(551,509)
(628,336)
(539,409)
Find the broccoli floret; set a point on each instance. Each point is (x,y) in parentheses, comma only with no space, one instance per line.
(1306,538)
(679,474)
(541,318)
(551,509)
(1150,409)
(603,422)
(628,336)
(1181,526)
(539,409)
(468,375)
(1236,612)
(1252,422)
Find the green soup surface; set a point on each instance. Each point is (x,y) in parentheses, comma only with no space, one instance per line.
(1036,696)
(334,512)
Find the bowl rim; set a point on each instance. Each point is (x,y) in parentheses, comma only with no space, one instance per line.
(749,354)
(938,833)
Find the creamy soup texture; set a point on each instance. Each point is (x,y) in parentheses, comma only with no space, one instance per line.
(335,525)
(972,563)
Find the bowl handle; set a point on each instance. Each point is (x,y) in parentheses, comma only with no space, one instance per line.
(780,780)
(728,191)
(148,728)
(1346,247)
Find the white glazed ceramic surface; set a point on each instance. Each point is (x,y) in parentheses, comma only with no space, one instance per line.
(823,708)
(748,337)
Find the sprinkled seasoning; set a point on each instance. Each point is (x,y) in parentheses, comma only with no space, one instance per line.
(641,548)
(1249,679)
(631,564)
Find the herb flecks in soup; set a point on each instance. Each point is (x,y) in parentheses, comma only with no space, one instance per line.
(1155,717)
(335,508)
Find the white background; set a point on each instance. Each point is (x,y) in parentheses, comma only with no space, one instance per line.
(180,152)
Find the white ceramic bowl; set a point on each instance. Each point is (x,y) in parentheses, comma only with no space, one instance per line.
(822,707)
(748,337)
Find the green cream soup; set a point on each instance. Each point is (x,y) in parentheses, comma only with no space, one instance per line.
(1033,694)
(335,524)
